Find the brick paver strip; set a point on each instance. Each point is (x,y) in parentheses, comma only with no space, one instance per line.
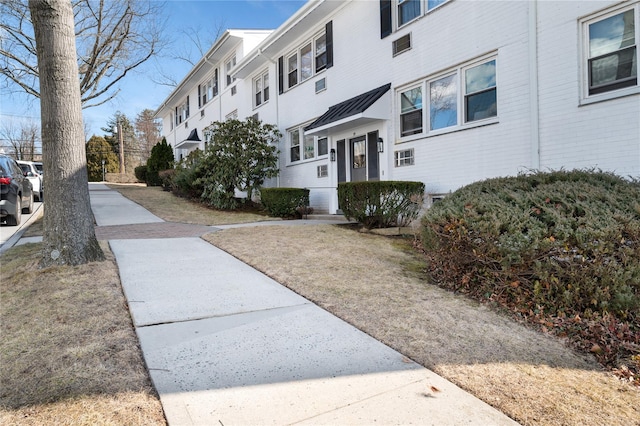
(151,230)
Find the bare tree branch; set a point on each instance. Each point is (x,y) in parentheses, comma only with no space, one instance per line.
(198,42)
(113,37)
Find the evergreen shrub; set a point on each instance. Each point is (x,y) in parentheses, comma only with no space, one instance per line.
(141,173)
(284,202)
(185,182)
(381,204)
(559,248)
(161,158)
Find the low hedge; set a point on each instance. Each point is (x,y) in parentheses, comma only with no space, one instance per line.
(284,202)
(381,204)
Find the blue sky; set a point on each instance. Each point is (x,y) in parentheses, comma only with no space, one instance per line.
(137,90)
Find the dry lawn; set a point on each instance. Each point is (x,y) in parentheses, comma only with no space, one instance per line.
(375,283)
(68,353)
(174,209)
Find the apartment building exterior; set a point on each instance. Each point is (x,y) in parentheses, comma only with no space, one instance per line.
(446,92)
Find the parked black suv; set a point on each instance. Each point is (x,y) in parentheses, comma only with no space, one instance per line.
(16,192)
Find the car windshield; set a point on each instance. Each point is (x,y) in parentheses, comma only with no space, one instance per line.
(24,167)
(38,167)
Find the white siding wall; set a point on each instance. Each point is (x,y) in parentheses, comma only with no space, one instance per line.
(448,161)
(604,135)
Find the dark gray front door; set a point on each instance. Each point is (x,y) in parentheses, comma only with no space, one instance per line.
(358,159)
(342,168)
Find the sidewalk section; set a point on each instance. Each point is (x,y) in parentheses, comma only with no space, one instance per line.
(227,345)
(112,208)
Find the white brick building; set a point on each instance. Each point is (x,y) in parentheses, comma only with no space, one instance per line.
(444,92)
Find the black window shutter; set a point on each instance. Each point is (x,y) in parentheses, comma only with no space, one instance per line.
(280,74)
(386,22)
(187,106)
(199,101)
(329,42)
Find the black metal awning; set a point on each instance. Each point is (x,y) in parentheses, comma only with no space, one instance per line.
(192,141)
(193,136)
(350,108)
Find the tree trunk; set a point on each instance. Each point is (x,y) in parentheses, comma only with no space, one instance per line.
(69,234)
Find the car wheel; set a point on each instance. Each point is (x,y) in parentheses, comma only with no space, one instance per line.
(17,218)
(29,208)
(41,196)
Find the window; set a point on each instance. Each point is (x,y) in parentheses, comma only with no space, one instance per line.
(612,57)
(480,92)
(408,10)
(401,12)
(411,112)
(208,90)
(309,147)
(182,112)
(323,147)
(261,89)
(321,52)
(431,4)
(404,158)
(306,62)
(305,147)
(443,99)
(311,58)
(294,141)
(228,66)
(293,70)
(455,97)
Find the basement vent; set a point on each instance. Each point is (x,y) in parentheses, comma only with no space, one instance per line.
(321,85)
(323,171)
(402,44)
(404,158)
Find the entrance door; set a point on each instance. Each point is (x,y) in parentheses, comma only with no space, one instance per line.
(358,159)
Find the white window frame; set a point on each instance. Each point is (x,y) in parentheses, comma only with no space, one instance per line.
(313,68)
(294,144)
(425,9)
(319,54)
(228,66)
(465,95)
(459,72)
(585,97)
(404,157)
(401,113)
(208,89)
(403,3)
(182,112)
(233,115)
(261,92)
(307,146)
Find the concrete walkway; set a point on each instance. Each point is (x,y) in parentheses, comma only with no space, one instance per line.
(227,345)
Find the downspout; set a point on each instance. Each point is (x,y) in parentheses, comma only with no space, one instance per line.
(276,96)
(534,102)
